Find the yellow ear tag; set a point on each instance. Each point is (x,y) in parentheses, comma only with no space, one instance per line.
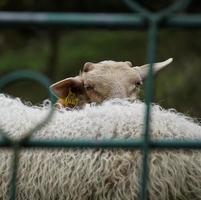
(71,100)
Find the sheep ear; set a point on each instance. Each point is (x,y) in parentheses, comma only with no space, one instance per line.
(88,66)
(144,69)
(61,88)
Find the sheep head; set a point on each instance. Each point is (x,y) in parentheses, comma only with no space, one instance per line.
(102,81)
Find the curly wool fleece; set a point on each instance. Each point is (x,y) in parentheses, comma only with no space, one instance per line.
(99,173)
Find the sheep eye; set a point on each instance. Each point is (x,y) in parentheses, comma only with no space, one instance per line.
(139,83)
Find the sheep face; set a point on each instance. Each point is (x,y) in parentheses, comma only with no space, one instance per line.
(101,81)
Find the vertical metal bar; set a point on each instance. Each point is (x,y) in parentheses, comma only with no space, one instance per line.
(152,31)
(14,167)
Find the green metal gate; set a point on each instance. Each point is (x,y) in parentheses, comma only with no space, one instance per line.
(144,18)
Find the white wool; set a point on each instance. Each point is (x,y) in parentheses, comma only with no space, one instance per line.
(99,173)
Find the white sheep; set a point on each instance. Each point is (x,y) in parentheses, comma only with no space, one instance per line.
(101,81)
(99,173)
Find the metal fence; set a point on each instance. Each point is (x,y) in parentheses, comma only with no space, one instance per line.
(140,18)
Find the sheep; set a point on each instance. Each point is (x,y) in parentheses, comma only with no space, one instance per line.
(100,174)
(102,81)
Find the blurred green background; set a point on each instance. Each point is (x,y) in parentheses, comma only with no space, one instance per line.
(59,53)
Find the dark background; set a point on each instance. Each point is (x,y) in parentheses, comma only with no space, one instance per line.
(60,53)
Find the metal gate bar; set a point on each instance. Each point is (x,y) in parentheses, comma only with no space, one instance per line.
(87,20)
(142,19)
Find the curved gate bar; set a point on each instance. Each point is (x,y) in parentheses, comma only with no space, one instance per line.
(44,81)
(16,144)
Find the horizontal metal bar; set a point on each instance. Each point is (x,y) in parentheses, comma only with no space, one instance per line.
(89,20)
(125,144)
(75,143)
(70,19)
(184,21)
